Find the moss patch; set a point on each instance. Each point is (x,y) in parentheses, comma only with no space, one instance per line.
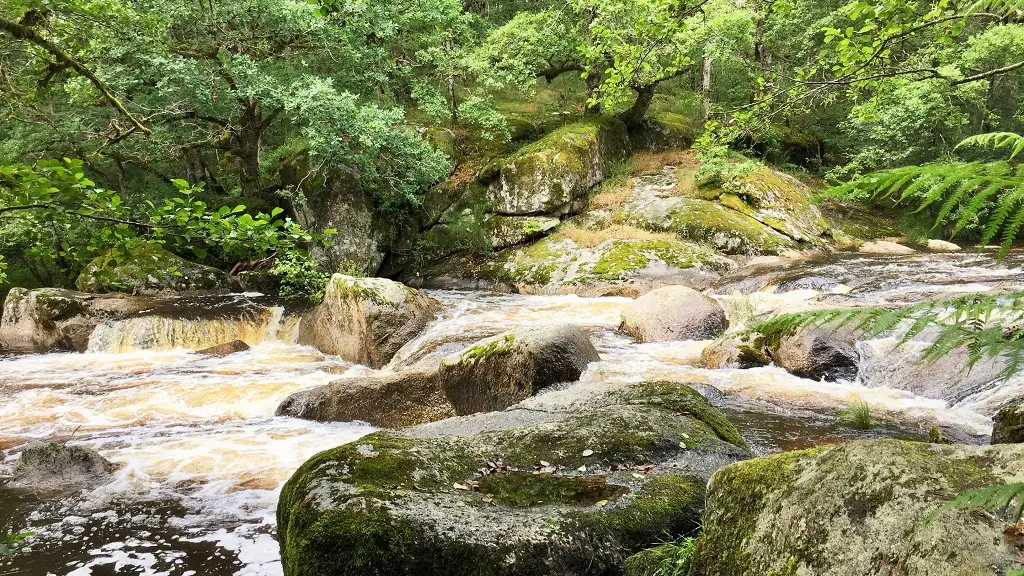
(530,489)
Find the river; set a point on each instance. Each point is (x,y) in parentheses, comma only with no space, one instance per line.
(202,456)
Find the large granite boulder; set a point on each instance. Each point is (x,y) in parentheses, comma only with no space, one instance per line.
(53,319)
(150,269)
(389,400)
(366,320)
(859,509)
(816,352)
(566,483)
(53,467)
(733,353)
(500,371)
(1009,426)
(554,174)
(674,313)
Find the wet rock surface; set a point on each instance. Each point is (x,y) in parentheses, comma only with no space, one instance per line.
(498,372)
(1009,426)
(49,467)
(851,509)
(566,483)
(674,313)
(225,349)
(818,353)
(366,320)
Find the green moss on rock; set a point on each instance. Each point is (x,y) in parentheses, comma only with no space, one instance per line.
(150,268)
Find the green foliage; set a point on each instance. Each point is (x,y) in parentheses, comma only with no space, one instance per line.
(717,160)
(675,557)
(857,415)
(71,221)
(987,196)
(301,278)
(1005,499)
(987,326)
(3,270)
(11,542)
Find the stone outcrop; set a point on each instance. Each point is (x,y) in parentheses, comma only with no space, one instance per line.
(554,175)
(942,246)
(732,353)
(52,467)
(366,320)
(818,353)
(674,313)
(152,270)
(53,319)
(557,485)
(394,400)
(498,372)
(1009,426)
(885,248)
(225,349)
(859,509)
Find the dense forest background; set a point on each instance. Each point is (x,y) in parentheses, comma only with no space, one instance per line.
(209,127)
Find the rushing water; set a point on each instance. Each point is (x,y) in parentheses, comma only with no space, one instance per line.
(202,457)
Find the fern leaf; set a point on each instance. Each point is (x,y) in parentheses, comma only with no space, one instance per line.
(993,498)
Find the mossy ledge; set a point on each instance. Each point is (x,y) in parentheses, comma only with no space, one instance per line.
(573,493)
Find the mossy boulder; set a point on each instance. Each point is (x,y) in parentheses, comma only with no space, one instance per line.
(366,320)
(509,231)
(500,371)
(554,174)
(149,270)
(674,313)
(390,400)
(732,353)
(1009,426)
(553,486)
(816,352)
(859,509)
(54,319)
(53,467)
(665,131)
(780,202)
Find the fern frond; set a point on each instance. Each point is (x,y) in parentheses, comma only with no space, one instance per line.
(997,140)
(1002,499)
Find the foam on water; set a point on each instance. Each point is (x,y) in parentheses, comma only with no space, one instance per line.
(203,458)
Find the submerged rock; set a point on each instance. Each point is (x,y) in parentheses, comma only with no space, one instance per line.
(942,246)
(818,353)
(551,487)
(52,467)
(674,313)
(366,320)
(225,349)
(393,400)
(553,175)
(859,509)
(1009,426)
(885,248)
(151,270)
(54,319)
(497,372)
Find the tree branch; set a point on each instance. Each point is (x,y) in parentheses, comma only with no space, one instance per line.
(22,32)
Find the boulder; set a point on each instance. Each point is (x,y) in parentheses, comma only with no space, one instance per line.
(732,353)
(942,246)
(52,467)
(366,320)
(1009,426)
(514,230)
(662,131)
(554,486)
(674,313)
(553,175)
(818,353)
(500,371)
(858,509)
(885,248)
(53,319)
(149,269)
(393,400)
(225,349)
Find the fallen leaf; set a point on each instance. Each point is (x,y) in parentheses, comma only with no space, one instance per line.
(602,503)
(587,453)
(682,444)
(458,486)
(582,469)
(545,463)
(638,476)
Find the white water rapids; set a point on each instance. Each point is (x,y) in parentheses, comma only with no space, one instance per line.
(203,458)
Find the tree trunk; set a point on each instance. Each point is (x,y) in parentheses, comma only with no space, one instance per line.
(705,87)
(635,115)
(593,83)
(249,136)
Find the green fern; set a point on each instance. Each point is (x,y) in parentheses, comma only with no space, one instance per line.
(1002,499)
(987,326)
(1006,8)
(962,193)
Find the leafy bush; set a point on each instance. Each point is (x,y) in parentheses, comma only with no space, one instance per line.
(301,277)
(11,542)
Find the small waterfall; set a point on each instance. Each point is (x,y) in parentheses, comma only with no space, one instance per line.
(151,330)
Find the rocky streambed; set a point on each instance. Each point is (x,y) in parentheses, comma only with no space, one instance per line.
(579,467)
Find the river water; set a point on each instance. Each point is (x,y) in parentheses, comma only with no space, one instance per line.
(202,457)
